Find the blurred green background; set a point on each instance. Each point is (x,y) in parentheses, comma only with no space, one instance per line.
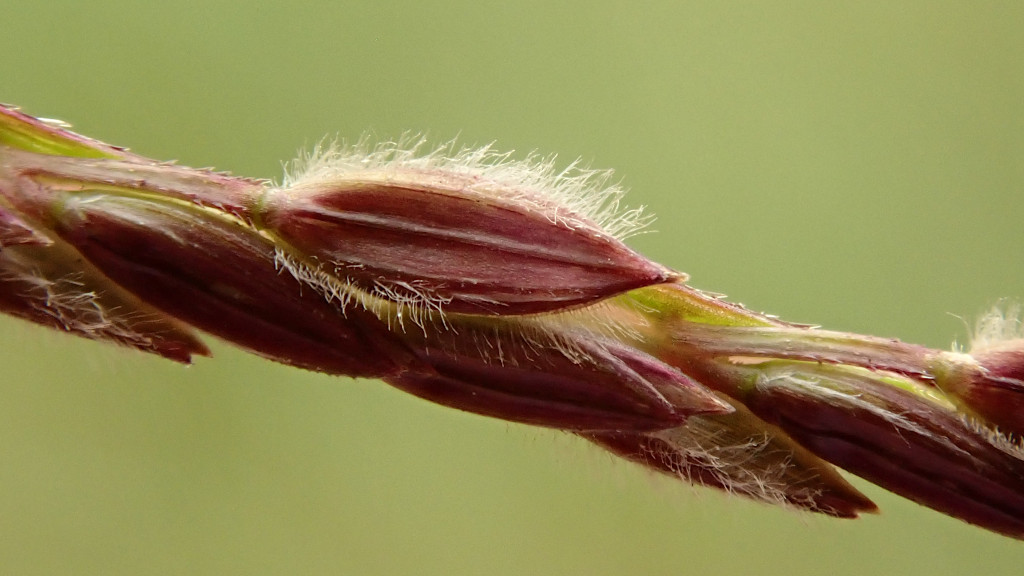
(856,165)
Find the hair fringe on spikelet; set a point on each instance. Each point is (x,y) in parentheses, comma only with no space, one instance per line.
(577,193)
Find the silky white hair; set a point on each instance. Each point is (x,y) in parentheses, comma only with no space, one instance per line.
(575,195)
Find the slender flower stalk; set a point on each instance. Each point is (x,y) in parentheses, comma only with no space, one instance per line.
(503,288)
